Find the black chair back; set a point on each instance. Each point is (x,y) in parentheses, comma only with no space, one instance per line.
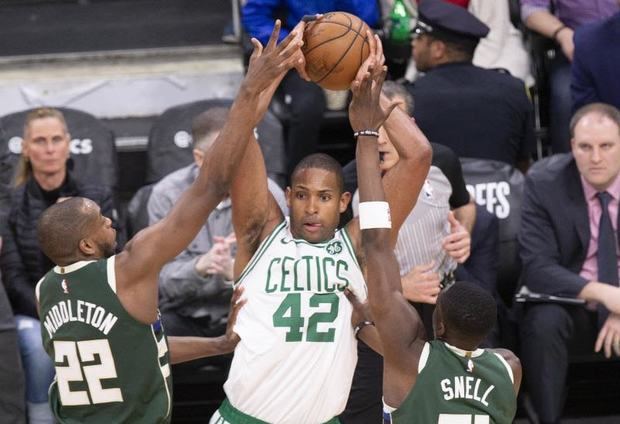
(93,151)
(170,140)
(499,187)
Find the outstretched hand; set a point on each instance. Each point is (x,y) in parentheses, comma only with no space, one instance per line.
(365,110)
(236,303)
(270,63)
(361,311)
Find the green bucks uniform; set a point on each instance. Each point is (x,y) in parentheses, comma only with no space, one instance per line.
(110,368)
(453,388)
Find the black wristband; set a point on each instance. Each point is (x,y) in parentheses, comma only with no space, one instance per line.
(557,31)
(361,325)
(369,133)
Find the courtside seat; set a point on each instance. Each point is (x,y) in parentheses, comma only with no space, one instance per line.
(499,187)
(137,217)
(170,140)
(93,152)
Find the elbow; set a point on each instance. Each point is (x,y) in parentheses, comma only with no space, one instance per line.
(425,155)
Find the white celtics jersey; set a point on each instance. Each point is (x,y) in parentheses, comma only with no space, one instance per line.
(297,353)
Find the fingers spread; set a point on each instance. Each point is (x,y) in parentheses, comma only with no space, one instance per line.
(275,34)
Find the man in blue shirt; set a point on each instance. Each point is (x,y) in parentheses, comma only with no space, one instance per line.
(305,100)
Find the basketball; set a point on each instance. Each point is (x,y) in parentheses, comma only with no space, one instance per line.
(335,47)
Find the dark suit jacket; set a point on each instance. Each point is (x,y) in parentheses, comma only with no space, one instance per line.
(478,113)
(555,228)
(481,266)
(596,63)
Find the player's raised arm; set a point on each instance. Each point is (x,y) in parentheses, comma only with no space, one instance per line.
(396,321)
(255,212)
(403,182)
(139,264)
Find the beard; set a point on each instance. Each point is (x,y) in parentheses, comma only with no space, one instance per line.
(108,249)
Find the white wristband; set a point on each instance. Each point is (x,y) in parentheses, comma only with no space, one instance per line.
(374,215)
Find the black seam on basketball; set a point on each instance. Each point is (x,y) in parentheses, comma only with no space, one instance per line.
(345,53)
(349,29)
(362,50)
(338,23)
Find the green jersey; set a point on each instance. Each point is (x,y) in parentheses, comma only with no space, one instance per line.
(110,368)
(454,388)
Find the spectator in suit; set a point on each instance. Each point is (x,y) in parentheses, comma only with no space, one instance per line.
(594,72)
(569,247)
(557,20)
(305,99)
(195,288)
(477,112)
(43,178)
(12,396)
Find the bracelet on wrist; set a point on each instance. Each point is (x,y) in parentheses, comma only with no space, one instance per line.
(367,133)
(554,36)
(360,326)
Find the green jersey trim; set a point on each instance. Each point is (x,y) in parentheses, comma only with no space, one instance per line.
(233,415)
(349,244)
(259,252)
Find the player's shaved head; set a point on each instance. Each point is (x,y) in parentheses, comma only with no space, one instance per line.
(468,311)
(63,225)
(320,161)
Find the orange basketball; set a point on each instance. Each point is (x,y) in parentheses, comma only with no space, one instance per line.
(334,48)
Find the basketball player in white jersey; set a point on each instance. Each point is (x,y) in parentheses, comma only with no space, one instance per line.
(295,361)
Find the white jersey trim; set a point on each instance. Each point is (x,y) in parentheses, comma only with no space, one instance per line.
(464,353)
(70,268)
(37,289)
(165,370)
(507,365)
(426,351)
(111,271)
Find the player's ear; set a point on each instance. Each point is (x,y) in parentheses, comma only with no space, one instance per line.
(345,199)
(87,247)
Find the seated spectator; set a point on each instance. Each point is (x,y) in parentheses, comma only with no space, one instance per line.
(569,247)
(305,99)
(595,64)
(430,243)
(43,179)
(12,396)
(195,288)
(504,46)
(559,25)
(478,113)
